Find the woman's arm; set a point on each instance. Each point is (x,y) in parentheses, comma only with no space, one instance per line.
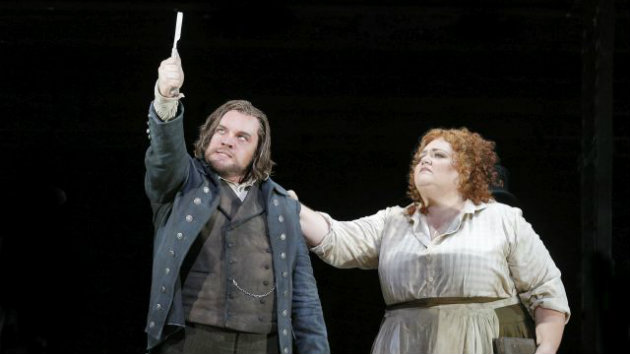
(549,328)
(343,244)
(314,226)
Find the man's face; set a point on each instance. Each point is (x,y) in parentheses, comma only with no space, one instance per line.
(233,145)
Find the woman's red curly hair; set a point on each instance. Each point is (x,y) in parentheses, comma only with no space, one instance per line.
(474,159)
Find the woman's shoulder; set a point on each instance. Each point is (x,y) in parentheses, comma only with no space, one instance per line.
(500,209)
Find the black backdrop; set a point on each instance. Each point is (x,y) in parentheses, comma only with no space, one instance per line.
(349,86)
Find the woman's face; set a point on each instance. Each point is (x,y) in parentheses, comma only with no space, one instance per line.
(436,170)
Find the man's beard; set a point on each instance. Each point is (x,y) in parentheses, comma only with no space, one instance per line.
(228,170)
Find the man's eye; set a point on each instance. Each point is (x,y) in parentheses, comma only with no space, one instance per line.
(242,138)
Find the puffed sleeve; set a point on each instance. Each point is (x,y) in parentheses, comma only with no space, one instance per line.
(353,244)
(535,274)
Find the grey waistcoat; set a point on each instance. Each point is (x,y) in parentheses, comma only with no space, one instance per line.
(228,272)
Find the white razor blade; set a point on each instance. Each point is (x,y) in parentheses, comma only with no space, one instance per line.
(178,29)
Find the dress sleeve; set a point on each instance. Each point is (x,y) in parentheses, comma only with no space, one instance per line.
(534,272)
(353,244)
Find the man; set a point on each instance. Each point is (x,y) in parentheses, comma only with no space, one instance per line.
(231,271)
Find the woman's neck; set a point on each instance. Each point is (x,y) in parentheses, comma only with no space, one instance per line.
(440,212)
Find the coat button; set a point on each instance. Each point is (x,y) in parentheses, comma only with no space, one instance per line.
(283,237)
(285,350)
(285,313)
(206,190)
(167,270)
(180,235)
(275,200)
(163,289)
(266,282)
(285,274)
(151,324)
(158,307)
(172,253)
(197,201)
(281,218)
(283,255)
(285,332)
(189,218)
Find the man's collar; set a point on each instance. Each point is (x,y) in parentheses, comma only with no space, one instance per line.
(245,184)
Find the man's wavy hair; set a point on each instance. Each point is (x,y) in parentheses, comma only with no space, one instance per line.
(261,165)
(474,159)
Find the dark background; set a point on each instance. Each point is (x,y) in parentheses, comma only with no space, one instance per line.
(349,87)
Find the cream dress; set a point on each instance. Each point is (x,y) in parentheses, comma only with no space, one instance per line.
(489,250)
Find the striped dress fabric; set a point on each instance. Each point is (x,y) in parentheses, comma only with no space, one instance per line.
(489,250)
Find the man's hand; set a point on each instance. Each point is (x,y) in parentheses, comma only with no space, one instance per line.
(170,76)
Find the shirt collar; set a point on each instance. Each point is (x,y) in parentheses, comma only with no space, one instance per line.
(469,208)
(240,186)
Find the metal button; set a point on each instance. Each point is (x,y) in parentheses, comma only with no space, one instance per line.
(283,237)
(151,324)
(197,201)
(275,200)
(285,313)
(285,332)
(148,131)
(172,253)
(167,270)
(285,293)
(281,218)
(206,190)
(180,235)
(163,289)
(189,218)
(230,244)
(285,350)
(285,274)
(158,307)
(283,255)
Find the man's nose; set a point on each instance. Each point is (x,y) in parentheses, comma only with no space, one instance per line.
(227,140)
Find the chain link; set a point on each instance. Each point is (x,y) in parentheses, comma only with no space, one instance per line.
(250,294)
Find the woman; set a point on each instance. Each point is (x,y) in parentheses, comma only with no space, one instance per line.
(457,269)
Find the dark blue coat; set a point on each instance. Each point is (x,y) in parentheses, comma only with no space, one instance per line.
(183,192)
